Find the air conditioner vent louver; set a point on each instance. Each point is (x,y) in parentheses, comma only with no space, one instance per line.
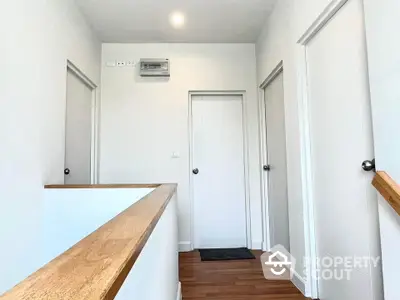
(154,67)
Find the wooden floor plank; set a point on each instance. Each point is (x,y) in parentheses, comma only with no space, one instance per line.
(236,280)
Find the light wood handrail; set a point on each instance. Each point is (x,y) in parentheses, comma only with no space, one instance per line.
(388,188)
(97,266)
(100,186)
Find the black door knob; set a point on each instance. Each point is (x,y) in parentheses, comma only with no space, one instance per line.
(67,171)
(368,165)
(195,171)
(267,168)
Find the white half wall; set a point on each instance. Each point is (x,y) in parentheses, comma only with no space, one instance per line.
(145,120)
(37,39)
(155,275)
(69,215)
(382,23)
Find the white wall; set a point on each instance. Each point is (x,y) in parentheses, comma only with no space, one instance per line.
(37,38)
(72,214)
(143,121)
(155,275)
(382,22)
(69,215)
(278,41)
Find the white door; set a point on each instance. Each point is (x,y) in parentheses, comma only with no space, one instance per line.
(219,185)
(383,23)
(278,214)
(341,138)
(78,131)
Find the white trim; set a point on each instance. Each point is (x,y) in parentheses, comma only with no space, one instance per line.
(257,245)
(266,244)
(297,280)
(246,159)
(185,246)
(96,137)
(311,286)
(275,72)
(306,171)
(299,283)
(333,7)
(81,75)
(179,291)
(94,168)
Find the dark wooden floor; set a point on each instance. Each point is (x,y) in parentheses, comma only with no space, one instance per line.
(238,280)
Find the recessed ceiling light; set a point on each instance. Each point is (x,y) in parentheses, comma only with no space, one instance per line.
(177,19)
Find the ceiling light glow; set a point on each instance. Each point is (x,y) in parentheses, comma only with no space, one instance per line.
(177,19)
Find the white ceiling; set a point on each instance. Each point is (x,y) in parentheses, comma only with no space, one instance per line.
(207,21)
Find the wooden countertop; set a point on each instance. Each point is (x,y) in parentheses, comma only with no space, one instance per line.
(96,267)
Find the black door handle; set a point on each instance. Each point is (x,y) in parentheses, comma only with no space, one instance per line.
(195,171)
(67,171)
(267,168)
(369,165)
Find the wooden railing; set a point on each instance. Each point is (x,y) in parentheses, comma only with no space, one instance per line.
(388,188)
(97,266)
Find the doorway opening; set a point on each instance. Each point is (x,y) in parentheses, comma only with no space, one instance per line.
(274,178)
(81,122)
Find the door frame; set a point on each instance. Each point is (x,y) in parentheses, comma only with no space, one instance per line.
(311,285)
(94,166)
(267,245)
(242,94)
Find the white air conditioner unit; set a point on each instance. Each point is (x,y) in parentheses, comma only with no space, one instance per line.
(154,67)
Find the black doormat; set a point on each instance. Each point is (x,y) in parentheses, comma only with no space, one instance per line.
(225,254)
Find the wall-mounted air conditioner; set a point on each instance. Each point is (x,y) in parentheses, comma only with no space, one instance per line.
(154,67)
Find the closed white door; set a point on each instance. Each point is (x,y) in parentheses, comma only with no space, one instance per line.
(341,139)
(278,215)
(78,131)
(218,175)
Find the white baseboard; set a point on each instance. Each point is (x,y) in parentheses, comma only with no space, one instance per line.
(185,246)
(264,246)
(256,245)
(179,292)
(299,282)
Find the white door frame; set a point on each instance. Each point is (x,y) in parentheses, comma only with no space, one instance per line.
(246,160)
(94,168)
(306,160)
(264,153)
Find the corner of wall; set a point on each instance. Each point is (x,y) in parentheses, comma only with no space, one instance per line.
(300,283)
(185,246)
(179,292)
(256,245)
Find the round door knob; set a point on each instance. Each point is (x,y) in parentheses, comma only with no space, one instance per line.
(368,165)
(67,171)
(267,168)
(195,171)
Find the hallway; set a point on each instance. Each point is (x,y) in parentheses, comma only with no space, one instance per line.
(134,126)
(238,280)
